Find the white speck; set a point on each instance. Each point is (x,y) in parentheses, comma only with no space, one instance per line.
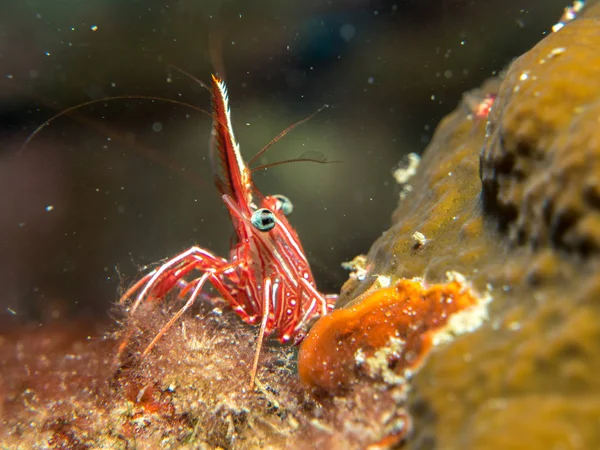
(21,224)
(72,28)
(448,73)
(247,124)
(371,80)
(433,97)
(384,281)
(157,127)
(113,84)
(419,238)
(48,53)
(94,28)
(49,208)
(9,76)
(12,311)
(360,357)
(463,42)
(407,170)
(524,75)
(514,326)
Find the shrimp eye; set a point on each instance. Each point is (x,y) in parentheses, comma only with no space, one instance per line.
(284,204)
(263,219)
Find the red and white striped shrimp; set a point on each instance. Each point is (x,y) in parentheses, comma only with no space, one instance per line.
(267,279)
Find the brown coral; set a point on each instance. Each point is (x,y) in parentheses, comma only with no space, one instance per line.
(526,378)
(540,164)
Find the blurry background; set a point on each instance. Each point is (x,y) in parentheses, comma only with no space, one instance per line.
(100,193)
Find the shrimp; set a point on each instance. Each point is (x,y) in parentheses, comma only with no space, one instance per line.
(267,279)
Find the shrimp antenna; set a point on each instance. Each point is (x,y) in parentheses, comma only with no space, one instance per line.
(190,76)
(309,156)
(283,133)
(102,100)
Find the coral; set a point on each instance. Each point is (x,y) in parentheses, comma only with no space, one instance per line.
(443,207)
(525,378)
(387,334)
(539,164)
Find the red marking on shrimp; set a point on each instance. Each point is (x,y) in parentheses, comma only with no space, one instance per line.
(267,278)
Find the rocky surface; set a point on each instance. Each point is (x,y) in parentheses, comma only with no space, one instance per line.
(64,390)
